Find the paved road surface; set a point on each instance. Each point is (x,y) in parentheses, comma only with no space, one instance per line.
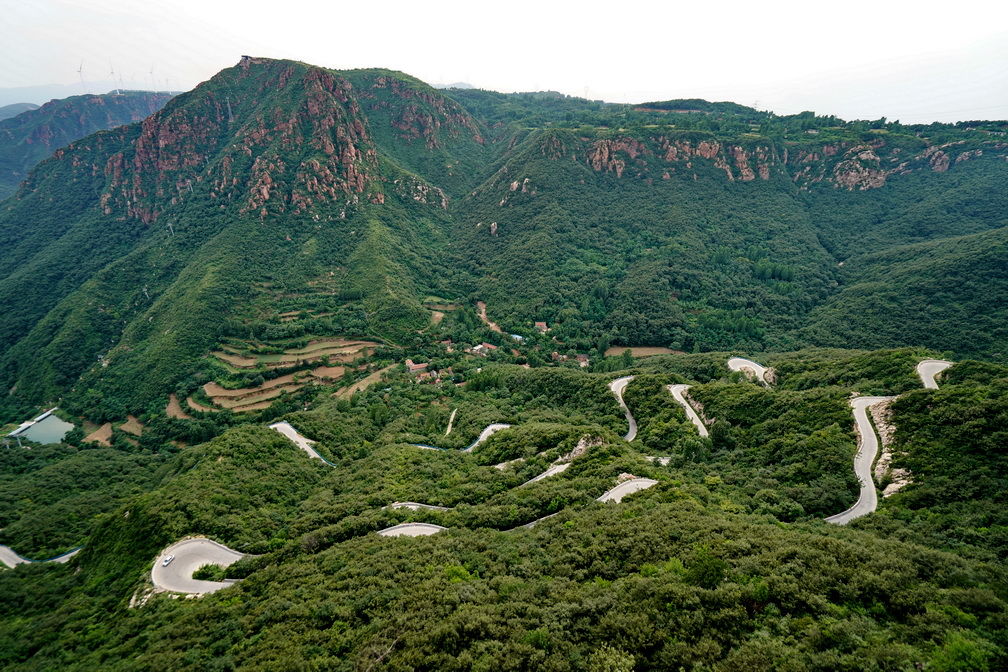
(10,558)
(190,555)
(617,386)
(300,441)
(411,530)
(928,369)
(748,366)
(867,449)
(487,432)
(416,506)
(677,394)
(627,488)
(553,469)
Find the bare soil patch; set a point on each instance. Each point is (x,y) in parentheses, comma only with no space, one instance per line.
(236,360)
(174,409)
(101,435)
(132,426)
(436,317)
(215,391)
(328,372)
(196,406)
(248,408)
(260,395)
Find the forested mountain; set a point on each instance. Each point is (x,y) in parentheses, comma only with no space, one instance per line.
(34,133)
(297,306)
(278,186)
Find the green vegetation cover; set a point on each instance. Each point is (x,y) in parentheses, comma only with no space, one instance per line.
(391,270)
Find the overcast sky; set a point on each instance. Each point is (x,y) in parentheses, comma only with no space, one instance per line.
(913,61)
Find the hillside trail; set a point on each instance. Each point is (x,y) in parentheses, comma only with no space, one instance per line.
(481,306)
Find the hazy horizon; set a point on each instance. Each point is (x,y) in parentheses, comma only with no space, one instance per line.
(864,62)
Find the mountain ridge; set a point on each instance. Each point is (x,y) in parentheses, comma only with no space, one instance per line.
(719,230)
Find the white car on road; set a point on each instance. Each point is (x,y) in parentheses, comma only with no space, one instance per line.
(167,560)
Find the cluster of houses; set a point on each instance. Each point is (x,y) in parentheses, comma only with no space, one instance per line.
(422,375)
(582,360)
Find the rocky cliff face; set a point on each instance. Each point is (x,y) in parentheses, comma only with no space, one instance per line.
(861,166)
(265,136)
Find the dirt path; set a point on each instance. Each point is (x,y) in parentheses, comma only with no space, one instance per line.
(451,421)
(486,320)
(196,406)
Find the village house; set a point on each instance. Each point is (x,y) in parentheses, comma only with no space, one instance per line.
(483,349)
(413,367)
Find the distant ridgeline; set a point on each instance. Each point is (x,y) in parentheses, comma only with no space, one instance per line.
(279,204)
(31,133)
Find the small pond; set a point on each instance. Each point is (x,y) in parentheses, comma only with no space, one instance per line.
(49,429)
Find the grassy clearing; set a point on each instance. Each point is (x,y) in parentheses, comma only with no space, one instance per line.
(640,351)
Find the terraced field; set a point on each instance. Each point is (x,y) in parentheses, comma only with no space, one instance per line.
(339,349)
(242,357)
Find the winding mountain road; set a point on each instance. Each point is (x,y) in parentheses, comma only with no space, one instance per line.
(867,449)
(678,393)
(627,488)
(487,432)
(411,530)
(10,558)
(750,368)
(300,441)
(928,369)
(617,386)
(190,555)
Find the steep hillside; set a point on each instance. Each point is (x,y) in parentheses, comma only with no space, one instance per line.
(33,133)
(280,207)
(259,187)
(924,294)
(672,239)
